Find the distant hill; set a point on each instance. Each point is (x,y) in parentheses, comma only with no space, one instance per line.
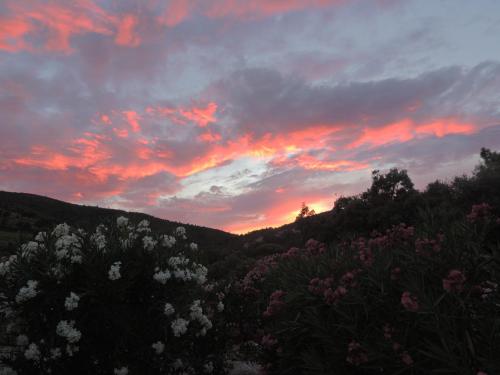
(23,215)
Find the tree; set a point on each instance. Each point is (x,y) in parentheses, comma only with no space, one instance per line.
(304,212)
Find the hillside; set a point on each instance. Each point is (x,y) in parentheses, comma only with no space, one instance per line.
(23,215)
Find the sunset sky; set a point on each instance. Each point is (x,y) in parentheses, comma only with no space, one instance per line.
(230,113)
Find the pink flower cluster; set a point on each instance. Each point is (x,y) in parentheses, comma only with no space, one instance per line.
(454,282)
(314,247)
(268,341)
(325,288)
(425,246)
(276,303)
(409,301)
(262,267)
(478,212)
(356,355)
(319,286)
(365,253)
(388,335)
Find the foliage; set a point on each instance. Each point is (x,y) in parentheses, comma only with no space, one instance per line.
(409,301)
(118,300)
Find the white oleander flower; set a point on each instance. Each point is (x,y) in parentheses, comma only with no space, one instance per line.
(41,237)
(55,353)
(159,347)
(72,349)
(7,371)
(245,368)
(5,265)
(32,353)
(220,306)
(69,247)
(208,368)
(169,309)
(149,243)
(180,232)
(122,222)
(61,230)
(178,364)
(193,246)
(168,241)
(68,331)
(121,371)
(162,276)
(27,292)
(22,340)
(71,302)
(28,249)
(114,271)
(143,226)
(179,326)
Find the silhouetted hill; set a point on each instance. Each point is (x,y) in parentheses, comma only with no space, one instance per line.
(22,215)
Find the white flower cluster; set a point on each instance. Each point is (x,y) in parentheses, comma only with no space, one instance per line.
(245,368)
(71,302)
(169,309)
(149,243)
(197,315)
(41,237)
(7,371)
(193,246)
(121,371)
(162,276)
(99,237)
(61,230)
(55,353)
(5,266)
(180,232)
(122,222)
(68,331)
(220,306)
(143,226)
(182,272)
(208,368)
(159,347)
(114,271)
(68,246)
(168,241)
(32,353)
(179,326)
(22,340)
(27,292)
(29,249)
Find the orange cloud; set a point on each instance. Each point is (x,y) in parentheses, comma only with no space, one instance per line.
(180,10)
(125,34)
(133,118)
(58,21)
(199,115)
(209,137)
(406,130)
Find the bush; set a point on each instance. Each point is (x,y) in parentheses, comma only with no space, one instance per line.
(120,300)
(404,302)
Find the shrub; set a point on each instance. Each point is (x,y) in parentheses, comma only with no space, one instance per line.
(402,302)
(118,301)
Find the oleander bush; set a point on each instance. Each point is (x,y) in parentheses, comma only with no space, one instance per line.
(118,301)
(408,301)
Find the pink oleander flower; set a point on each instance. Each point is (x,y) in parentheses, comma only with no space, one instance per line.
(276,303)
(395,273)
(479,211)
(268,341)
(356,355)
(388,331)
(332,297)
(409,301)
(454,282)
(406,359)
